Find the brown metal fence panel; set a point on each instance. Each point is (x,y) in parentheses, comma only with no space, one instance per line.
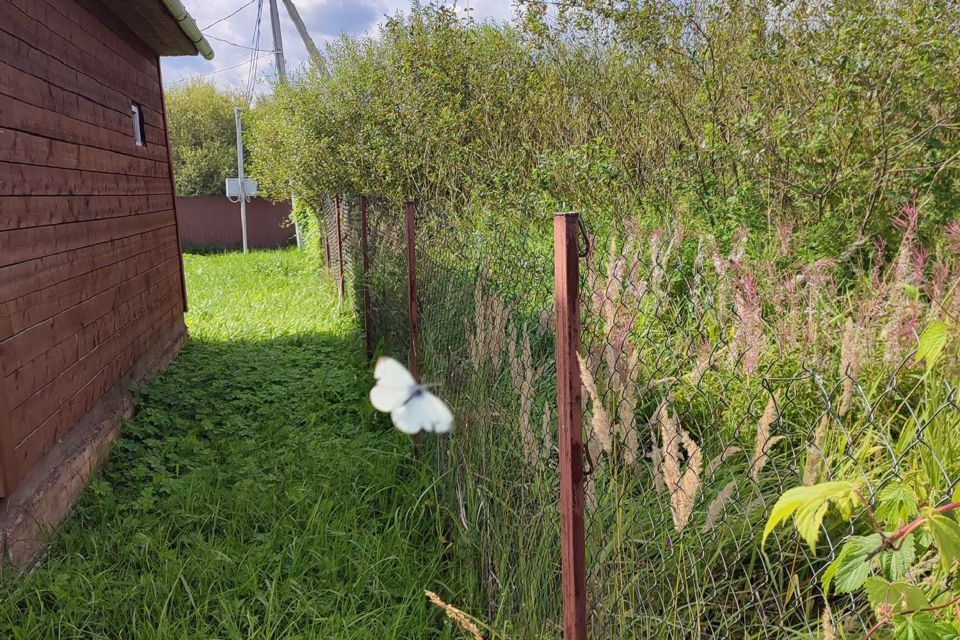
(214,222)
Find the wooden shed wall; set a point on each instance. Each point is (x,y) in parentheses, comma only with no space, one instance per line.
(90,267)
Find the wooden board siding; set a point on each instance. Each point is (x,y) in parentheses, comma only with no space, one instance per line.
(90,266)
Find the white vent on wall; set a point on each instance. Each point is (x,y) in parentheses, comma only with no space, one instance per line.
(139,132)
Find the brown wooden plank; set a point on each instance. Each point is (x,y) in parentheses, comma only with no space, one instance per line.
(37,24)
(6,328)
(29,149)
(22,245)
(25,277)
(33,180)
(27,345)
(75,365)
(48,397)
(8,477)
(37,211)
(26,311)
(37,63)
(39,92)
(40,64)
(32,448)
(136,334)
(22,116)
(39,385)
(98,39)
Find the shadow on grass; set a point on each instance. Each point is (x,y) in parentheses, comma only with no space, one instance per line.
(254,495)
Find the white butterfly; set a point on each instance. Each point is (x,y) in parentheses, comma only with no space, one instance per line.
(412,408)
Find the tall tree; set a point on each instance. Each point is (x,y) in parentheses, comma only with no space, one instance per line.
(202,137)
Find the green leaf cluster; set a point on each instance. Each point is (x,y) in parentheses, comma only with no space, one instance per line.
(808,505)
(202,131)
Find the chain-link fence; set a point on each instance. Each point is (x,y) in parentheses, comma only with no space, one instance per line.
(711,384)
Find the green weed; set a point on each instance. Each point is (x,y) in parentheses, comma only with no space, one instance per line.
(255,494)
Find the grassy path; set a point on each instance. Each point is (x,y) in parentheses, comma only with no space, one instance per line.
(255,495)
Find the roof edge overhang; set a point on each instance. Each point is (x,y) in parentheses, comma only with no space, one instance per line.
(189,27)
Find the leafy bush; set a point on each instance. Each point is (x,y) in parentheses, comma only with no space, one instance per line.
(202,137)
(752,177)
(818,120)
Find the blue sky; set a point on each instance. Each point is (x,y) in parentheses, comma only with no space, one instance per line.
(325,19)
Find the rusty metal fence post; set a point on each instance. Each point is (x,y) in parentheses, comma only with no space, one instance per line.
(412,310)
(365,263)
(341,282)
(414,363)
(325,231)
(570,432)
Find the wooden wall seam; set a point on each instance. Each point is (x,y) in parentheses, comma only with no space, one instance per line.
(173,186)
(72,56)
(7,459)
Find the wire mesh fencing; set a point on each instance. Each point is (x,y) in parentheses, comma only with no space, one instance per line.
(707,385)
(713,385)
(337,240)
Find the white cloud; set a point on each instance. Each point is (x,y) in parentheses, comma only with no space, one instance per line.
(325,19)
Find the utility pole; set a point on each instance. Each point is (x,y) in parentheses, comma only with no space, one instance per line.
(243,195)
(308,42)
(277,41)
(282,77)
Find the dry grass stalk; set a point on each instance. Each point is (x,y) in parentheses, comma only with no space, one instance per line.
(476,340)
(749,329)
(660,258)
(601,426)
(522,376)
(724,455)
(764,441)
(546,447)
(486,341)
(617,321)
(718,505)
(461,619)
(903,312)
(811,471)
(682,483)
(613,287)
(829,632)
(703,363)
(498,318)
(696,293)
(626,426)
(820,286)
(849,364)
(656,461)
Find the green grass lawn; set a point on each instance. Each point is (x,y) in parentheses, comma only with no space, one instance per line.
(255,494)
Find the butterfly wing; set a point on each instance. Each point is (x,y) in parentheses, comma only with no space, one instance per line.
(394,385)
(423,412)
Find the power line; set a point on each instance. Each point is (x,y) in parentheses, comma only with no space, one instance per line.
(252,75)
(204,75)
(229,16)
(241,46)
